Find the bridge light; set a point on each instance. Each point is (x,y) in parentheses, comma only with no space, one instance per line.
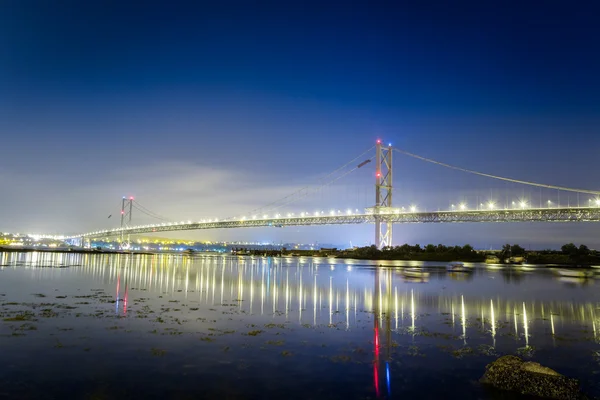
(491,205)
(289,215)
(413,208)
(523,204)
(265,216)
(598,202)
(462,206)
(332,212)
(254,217)
(349,212)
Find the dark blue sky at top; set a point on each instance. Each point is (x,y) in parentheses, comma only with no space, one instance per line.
(284,91)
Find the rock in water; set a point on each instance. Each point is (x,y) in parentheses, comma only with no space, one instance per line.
(529,378)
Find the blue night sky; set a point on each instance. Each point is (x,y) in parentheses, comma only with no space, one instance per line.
(212,109)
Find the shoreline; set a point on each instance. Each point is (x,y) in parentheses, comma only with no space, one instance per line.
(69,251)
(548,262)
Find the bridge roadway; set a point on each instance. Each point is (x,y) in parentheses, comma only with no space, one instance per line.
(557,214)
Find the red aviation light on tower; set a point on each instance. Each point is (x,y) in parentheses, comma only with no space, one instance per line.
(378,141)
(378,174)
(130,197)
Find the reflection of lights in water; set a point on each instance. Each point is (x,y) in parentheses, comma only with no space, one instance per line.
(387,376)
(463,319)
(187,278)
(117,297)
(593,322)
(482,321)
(287,292)
(493,322)
(320,299)
(125,299)
(163,274)
(300,301)
(315,302)
(380,302)
(412,309)
(402,311)
(396,305)
(222,283)
(251,289)
(274,294)
(347,304)
(330,299)
(201,273)
(214,283)
(452,312)
(376,363)
(262,293)
(525,325)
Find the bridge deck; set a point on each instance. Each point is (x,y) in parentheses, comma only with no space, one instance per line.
(569,214)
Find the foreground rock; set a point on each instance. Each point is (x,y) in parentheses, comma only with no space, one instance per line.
(529,378)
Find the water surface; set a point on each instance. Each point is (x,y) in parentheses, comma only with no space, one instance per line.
(179,327)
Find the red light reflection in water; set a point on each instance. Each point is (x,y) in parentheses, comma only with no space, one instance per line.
(376,363)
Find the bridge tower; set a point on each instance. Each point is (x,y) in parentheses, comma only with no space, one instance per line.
(383,195)
(126,214)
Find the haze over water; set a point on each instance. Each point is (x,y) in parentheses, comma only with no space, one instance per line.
(171,326)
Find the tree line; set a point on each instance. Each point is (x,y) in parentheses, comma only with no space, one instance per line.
(568,254)
(430,252)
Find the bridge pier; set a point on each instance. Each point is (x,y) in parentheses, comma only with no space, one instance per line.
(126,214)
(383,195)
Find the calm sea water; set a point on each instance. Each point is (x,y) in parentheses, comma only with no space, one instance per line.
(222,327)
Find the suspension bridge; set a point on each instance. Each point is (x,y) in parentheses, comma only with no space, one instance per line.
(382,213)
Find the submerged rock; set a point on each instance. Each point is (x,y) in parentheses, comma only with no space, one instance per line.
(530,378)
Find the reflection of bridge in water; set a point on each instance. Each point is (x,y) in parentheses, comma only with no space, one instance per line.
(269,285)
(324,292)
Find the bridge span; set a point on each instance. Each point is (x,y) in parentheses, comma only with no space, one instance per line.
(383,214)
(370,216)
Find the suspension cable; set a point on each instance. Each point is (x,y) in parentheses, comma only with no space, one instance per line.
(148,212)
(429,160)
(316,189)
(306,189)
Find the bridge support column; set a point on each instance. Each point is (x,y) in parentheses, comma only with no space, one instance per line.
(383,195)
(126,214)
